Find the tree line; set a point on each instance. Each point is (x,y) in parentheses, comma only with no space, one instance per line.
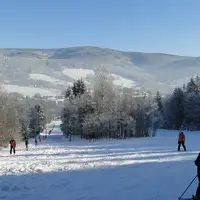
(107,111)
(21,117)
(103,111)
(182,107)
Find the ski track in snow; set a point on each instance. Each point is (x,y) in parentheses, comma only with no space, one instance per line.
(141,169)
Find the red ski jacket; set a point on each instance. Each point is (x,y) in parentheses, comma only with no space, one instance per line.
(13,143)
(181,137)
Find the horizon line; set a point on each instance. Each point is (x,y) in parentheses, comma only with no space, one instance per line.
(85,46)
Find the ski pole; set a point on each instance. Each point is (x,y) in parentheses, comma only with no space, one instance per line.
(188,187)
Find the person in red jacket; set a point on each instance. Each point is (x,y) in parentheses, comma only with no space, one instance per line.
(197,163)
(181,141)
(12,146)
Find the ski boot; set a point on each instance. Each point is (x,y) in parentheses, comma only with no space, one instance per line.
(195,197)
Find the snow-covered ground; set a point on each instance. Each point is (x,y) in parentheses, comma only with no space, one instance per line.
(84,73)
(51,79)
(30,91)
(72,73)
(140,169)
(118,80)
(78,73)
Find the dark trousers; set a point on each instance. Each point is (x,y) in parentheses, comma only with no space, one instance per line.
(198,191)
(183,145)
(198,188)
(12,149)
(26,147)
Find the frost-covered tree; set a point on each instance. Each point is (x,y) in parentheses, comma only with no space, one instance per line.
(77,105)
(16,115)
(177,108)
(9,119)
(37,121)
(24,123)
(78,88)
(197,82)
(182,109)
(159,112)
(143,115)
(103,91)
(159,103)
(191,87)
(107,111)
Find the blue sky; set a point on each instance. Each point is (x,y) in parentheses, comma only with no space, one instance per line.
(165,26)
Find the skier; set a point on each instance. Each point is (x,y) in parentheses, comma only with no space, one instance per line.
(12,146)
(40,139)
(181,141)
(36,142)
(26,143)
(197,163)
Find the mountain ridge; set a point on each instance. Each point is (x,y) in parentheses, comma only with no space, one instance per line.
(153,71)
(125,51)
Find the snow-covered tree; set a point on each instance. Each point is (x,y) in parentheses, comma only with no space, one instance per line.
(37,120)
(9,119)
(103,91)
(78,104)
(191,87)
(182,109)
(159,112)
(177,108)
(107,111)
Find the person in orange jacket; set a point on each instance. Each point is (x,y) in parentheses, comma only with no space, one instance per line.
(181,141)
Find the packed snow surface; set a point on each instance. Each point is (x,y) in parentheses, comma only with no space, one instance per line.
(139,169)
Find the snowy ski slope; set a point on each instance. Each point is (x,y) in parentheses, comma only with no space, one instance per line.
(84,73)
(135,169)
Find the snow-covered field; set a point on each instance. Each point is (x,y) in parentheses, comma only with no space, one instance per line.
(72,73)
(30,91)
(51,79)
(84,73)
(78,73)
(140,169)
